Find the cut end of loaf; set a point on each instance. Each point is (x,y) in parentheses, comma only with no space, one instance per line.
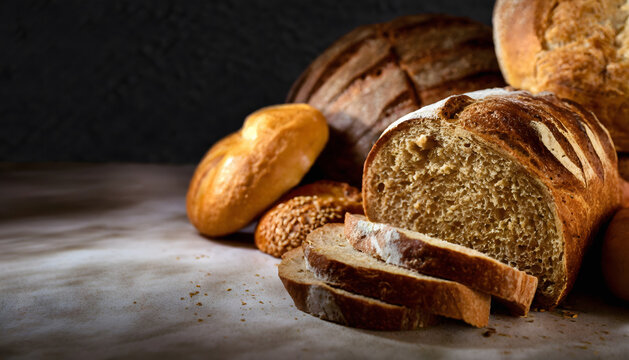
(436,178)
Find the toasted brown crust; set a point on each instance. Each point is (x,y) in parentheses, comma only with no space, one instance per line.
(246,172)
(582,198)
(513,287)
(344,307)
(302,210)
(377,73)
(441,297)
(576,49)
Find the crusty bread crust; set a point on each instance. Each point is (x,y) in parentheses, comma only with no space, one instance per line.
(583,186)
(326,302)
(369,277)
(303,209)
(377,73)
(577,49)
(246,172)
(438,258)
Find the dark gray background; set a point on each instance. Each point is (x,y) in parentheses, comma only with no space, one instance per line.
(160,81)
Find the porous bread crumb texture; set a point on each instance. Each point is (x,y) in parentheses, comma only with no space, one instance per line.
(585,57)
(286,226)
(441,181)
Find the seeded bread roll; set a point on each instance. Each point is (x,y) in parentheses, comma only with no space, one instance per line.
(302,210)
(246,172)
(577,49)
(526,179)
(615,255)
(377,73)
(328,303)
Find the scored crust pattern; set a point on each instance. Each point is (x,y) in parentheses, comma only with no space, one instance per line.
(377,73)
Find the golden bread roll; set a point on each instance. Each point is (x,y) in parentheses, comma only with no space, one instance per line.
(304,209)
(247,171)
(578,49)
(615,259)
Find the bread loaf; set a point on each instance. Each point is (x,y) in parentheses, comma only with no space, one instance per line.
(578,49)
(246,172)
(526,179)
(377,73)
(430,256)
(326,302)
(286,224)
(615,255)
(333,260)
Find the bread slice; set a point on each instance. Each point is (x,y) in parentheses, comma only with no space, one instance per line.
(319,299)
(332,259)
(430,256)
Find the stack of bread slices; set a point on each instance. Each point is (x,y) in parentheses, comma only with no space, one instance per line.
(377,276)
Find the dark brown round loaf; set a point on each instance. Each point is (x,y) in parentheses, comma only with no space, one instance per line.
(377,73)
(302,210)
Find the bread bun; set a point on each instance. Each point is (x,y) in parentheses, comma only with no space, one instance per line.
(615,259)
(577,49)
(247,171)
(304,209)
(377,73)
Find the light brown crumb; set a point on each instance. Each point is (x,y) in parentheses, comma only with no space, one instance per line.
(199,304)
(230,289)
(200,320)
(243,320)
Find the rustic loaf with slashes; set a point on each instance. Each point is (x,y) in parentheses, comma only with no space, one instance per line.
(577,49)
(377,73)
(526,179)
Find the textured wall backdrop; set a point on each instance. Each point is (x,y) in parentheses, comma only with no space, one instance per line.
(160,81)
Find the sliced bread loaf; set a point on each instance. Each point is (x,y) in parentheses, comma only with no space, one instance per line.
(319,299)
(526,179)
(332,259)
(439,258)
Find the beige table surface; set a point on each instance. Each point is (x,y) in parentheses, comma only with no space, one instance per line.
(99,261)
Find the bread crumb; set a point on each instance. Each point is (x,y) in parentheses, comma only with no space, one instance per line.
(230,289)
(193,293)
(199,304)
(205,294)
(489,332)
(200,320)
(181,298)
(243,303)
(198,286)
(135,302)
(243,320)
